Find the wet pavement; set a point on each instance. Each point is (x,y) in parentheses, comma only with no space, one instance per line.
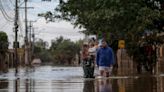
(69,79)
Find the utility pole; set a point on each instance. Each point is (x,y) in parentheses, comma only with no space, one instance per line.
(26,36)
(26,33)
(16,36)
(30,42)
(30,27)
(33,43)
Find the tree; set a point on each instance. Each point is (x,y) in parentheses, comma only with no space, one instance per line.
(3,49)
(78,46)
(64,51)
(125,19)
(41,51)
(130,20)
(55,43)
(61,52)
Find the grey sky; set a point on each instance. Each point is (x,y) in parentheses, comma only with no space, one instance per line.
(43,30)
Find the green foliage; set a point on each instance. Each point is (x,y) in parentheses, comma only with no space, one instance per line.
(123,19)
(48,16)
(64,51)
(3,50)
(117,17)
(3,42)
(61,52)
(41,51)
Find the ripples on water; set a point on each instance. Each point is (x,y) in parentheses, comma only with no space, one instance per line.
(69,79)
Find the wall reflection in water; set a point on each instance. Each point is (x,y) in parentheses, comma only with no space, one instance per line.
(3,85)
(26,85)
(143,84)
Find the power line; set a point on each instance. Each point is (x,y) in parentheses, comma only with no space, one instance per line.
(11,2)
(5,11)
(6,16)
(8,4)
(10,7)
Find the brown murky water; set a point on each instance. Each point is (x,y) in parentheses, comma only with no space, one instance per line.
(59,79)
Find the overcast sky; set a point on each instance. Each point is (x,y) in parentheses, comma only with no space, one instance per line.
(43,30)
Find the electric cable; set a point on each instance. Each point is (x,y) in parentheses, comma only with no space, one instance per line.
(2,7)
(6,16)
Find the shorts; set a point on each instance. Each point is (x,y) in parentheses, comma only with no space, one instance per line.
(106,69)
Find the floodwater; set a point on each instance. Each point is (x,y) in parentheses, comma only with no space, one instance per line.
(69,79)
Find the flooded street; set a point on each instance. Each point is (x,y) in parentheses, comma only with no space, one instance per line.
(69,79)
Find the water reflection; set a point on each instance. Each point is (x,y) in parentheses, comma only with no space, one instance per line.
(142,84)
(52,81)
(21,86)
(27,85)
(104,85)
(121,85)
(3,85)
(100,85)
(89,86)
(145,85)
